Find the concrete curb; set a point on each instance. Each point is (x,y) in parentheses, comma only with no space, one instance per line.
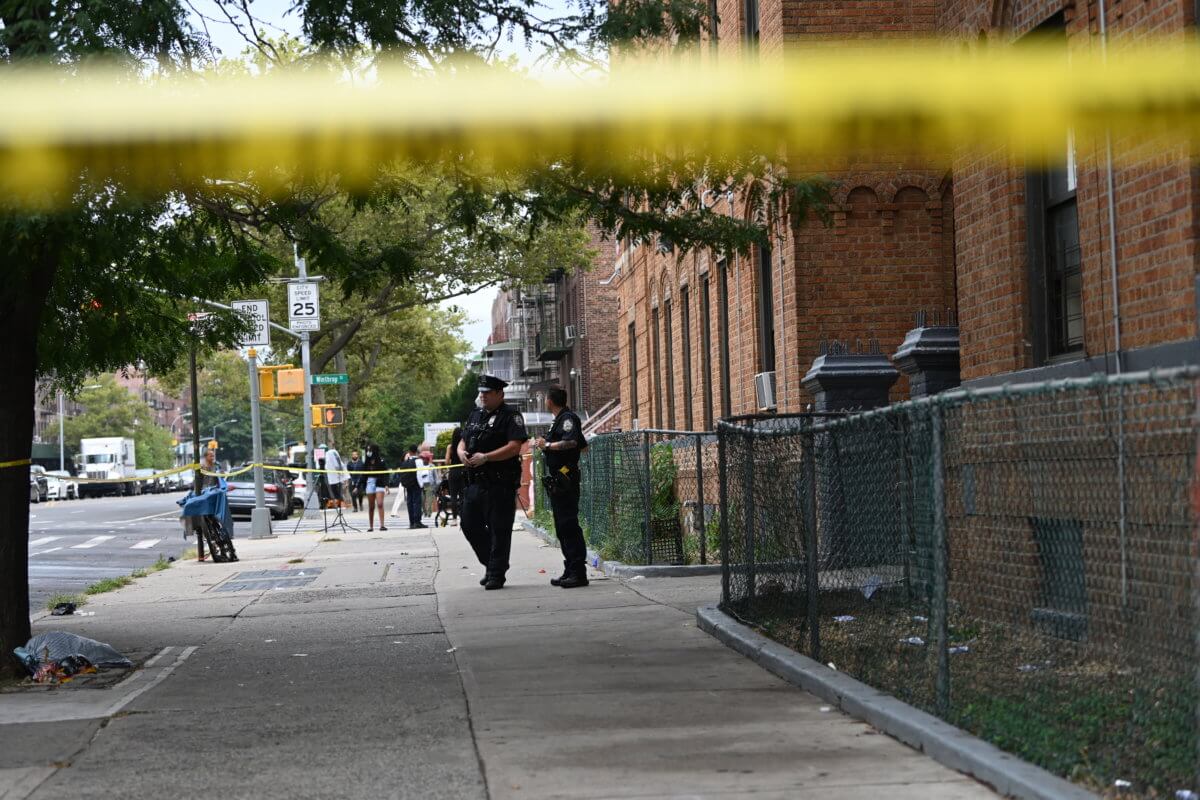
(616,569)
(940,740)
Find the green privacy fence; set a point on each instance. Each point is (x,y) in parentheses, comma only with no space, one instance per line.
(647,497)
(1022,562)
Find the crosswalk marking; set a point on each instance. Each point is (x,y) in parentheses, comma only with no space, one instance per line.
(43,552)
(93,542)
(145,544)
(43,540)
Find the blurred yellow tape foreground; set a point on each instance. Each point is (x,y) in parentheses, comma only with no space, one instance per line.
(921,99)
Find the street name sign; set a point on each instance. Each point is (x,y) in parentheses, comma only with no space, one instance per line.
(258,312)
(304,307)
(330,379)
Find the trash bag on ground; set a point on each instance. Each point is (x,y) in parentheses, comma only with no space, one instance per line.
(57,646)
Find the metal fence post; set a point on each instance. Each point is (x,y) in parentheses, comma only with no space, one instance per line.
(701,529)
(723,511)
(811,562)
(648,534)
(751,577)
(939,607)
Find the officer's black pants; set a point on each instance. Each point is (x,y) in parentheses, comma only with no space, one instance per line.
(488,513)
(566,528)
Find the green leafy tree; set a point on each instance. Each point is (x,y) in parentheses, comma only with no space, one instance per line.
(457,404)
(110,410)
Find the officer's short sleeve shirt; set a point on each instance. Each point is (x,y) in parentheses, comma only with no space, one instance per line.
(516,425)
(566,427)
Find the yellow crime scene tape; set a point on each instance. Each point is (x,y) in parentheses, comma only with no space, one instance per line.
(925,99)
(20,462)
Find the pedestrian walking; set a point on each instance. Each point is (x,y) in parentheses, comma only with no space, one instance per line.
(491,449)
(412,489)
(427,477)
(376,486)
(561,448)
(358,483)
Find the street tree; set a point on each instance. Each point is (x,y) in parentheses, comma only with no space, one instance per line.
(109,409)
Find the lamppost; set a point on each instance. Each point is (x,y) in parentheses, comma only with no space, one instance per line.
(226,422)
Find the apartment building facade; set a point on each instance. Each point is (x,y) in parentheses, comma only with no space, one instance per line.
(1024,254)
(559,332)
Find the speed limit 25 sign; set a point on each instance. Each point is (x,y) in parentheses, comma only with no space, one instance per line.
(304,307)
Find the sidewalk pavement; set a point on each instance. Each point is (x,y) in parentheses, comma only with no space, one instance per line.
(365,681)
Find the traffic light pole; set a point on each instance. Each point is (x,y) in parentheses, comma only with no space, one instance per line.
(260,517)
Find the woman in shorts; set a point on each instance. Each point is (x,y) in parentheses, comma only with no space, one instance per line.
(376,487)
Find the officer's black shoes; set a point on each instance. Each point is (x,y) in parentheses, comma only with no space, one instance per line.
(483,581)
(573,581)
(494,583)
(558,581)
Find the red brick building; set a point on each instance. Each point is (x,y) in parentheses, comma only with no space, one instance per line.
(1024,255)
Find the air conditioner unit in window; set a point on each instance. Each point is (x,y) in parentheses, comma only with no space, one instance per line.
(764,389)
(569,333)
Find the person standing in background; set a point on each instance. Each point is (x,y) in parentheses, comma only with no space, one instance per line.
(562,448)
(412,487)
(427,477)
(335,474)
(358,483)
(376,487)
(455,473)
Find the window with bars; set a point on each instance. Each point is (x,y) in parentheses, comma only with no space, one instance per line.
(685,337)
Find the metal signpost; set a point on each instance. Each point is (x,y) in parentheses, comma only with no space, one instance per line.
(258,311)
(304,316)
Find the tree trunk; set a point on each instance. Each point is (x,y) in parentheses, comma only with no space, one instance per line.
(21,302)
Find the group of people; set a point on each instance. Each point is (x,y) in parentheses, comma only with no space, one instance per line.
(488,448)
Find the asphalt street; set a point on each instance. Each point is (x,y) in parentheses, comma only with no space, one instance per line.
(75,543)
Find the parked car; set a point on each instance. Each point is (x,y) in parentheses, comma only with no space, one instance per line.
(277,491)
(299,488)
(61,489)
(39,484)
(146,482)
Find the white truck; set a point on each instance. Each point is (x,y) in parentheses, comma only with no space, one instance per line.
(110,458)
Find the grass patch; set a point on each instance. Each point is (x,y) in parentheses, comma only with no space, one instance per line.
(140,572)
(108,585)
(159,565)
(1087,712)
(54,600)
(295,560)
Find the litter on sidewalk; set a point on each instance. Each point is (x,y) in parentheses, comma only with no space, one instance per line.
(57,656)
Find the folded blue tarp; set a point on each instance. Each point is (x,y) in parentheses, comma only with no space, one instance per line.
(212,502)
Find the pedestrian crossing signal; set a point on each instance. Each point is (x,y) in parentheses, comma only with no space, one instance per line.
(327,415)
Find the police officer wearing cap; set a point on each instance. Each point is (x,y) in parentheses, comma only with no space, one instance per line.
(491,450)
(562,447)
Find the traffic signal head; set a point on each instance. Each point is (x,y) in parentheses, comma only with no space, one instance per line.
(334,416)
(290,382)
(326,415)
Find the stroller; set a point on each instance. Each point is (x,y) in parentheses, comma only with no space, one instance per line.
(446,504)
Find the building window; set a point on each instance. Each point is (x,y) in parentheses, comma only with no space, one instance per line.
(751,8)
(654,365)
(766,312)
(685,335)
(669,343)
(633,372)
(723,337)
(706,351)
(1055,269)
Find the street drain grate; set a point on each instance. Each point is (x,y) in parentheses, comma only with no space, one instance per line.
(267,579)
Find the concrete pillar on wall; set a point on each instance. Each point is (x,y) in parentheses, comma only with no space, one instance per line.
(929,356)
(843,380)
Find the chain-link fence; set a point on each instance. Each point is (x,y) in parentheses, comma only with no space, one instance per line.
(648,497)
(1021,562)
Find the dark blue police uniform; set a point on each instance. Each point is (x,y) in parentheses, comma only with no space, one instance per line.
(489,501)
(562,487)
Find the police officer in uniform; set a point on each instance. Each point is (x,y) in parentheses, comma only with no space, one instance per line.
(562,447)
(491,449)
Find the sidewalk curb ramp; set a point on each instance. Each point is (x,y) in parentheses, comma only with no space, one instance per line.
(939,740)
(616,569)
